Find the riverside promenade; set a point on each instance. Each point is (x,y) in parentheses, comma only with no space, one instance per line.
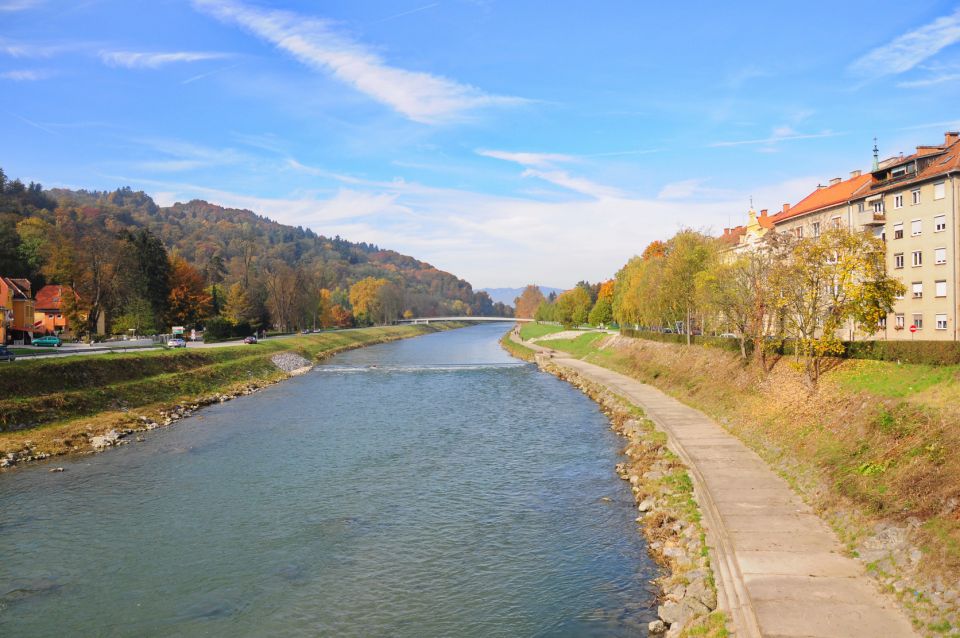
(779,568)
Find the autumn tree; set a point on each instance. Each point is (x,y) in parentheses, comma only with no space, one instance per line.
(689,252)
(284,292)
(189,301)
(89,261)
(365,300)
(826,282)
(525,306)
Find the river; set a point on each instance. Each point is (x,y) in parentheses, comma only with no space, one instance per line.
(427,487)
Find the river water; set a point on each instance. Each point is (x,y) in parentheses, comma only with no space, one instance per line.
(428,487)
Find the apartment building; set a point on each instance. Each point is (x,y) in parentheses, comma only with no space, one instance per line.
(916,196)
(910,202)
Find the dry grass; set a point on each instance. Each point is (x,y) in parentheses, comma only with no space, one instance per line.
(876,438)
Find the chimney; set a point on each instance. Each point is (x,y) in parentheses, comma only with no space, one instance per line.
(820,186)
(786,207)
(835,181)
(950,137)
(763,213)
(855,174)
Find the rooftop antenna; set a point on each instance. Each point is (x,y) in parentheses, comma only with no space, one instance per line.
(876,155)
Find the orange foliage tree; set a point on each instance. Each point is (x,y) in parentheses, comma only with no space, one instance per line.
(189,300)
(527,303)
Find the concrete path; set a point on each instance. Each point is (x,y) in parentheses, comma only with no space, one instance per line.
(779,568)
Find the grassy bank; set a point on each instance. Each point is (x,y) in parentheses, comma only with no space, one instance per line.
(54,406)
(873,450)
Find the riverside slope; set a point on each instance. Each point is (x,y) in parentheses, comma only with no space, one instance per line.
(780,570)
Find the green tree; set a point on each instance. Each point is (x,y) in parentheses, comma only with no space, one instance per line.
(602,312)
(573,307)
(150,275)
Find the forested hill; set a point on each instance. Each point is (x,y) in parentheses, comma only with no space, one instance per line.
(227,246)
(200,231)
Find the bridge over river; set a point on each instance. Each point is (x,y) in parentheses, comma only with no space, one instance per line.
(482,319)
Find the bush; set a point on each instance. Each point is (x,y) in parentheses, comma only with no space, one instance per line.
(218,329)
(938,353)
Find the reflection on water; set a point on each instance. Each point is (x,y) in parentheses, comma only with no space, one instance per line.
(430,487)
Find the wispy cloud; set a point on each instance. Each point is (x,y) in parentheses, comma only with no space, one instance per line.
(176,156)
(36,125)
(26,75)
(194,78)
(780,134)
(526,159)
(18,5)
(421,97)
(909,49)
(144,60)
(576,184)
(406,13)
(931,81)
(16,49)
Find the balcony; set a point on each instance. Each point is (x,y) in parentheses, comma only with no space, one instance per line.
(872,218)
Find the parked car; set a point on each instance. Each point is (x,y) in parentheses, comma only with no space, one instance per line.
(6,354)
(250,340)
(50,341)
(176,342)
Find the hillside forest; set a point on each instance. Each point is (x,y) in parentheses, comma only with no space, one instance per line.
(197,264)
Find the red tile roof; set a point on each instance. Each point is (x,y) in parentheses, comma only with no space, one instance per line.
(48,297)
(827,196)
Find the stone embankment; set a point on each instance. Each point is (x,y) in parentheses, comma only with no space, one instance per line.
(289,362)
(780,570)
(667,514)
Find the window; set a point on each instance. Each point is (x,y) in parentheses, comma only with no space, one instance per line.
(917,258)
(898,260)
(940,288)
(939,223)
(882,323)
(939,190)
(898,201)
(860,207)
(917,290)
(898,321)
(898,231)
(878,206)
(916,227)
(816,229)
(918,320)
(916,196)
(798,232)
(941,322)
(940,255)
(835,221)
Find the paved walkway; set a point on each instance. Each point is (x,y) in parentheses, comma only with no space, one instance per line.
(779,568)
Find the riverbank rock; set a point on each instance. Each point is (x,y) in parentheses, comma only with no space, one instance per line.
(105,440)
(291,362)
(671,528)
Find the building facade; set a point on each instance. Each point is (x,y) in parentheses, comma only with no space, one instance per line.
(911,203)
(16,311)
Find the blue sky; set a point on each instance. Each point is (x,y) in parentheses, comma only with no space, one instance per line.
(505,141)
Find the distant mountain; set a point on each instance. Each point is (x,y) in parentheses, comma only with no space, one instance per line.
(507,295)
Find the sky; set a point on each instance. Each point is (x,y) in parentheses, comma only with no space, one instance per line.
(506,141)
